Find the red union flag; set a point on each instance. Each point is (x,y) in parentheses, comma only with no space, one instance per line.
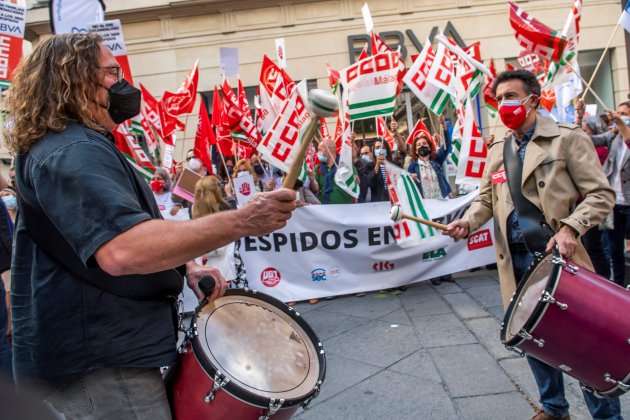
(383,132)
(237,119)
(269,74)
(12,19)
(469,148)
(490,101)
(534,36)
(204,137)
(180,102)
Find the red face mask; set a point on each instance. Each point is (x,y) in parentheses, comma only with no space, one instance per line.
(157,185)
(513,112)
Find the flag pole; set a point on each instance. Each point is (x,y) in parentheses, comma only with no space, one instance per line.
(593,92)
(601,59)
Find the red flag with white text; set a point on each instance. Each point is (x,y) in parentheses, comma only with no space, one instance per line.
(534,36)
(383,132)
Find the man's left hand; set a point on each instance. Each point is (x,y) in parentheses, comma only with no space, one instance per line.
(566,241)
(194,273)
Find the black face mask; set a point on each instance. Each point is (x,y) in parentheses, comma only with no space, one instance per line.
(423,151)
(124,101)
(259,169)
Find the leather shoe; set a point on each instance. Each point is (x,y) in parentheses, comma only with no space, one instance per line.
(541,415)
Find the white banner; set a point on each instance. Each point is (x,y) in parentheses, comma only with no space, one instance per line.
(342,249)
(112,34)
(72,16)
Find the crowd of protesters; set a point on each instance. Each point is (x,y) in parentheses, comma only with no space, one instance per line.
(425,157)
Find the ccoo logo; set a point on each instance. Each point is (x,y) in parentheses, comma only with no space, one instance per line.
(270,277)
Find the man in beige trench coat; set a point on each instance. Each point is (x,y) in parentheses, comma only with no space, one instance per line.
(559,165)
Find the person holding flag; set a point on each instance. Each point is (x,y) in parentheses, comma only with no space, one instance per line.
(558,163)
(92,317)
(329,191)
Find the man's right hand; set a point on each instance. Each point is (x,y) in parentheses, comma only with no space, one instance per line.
(457,230)
(267,212)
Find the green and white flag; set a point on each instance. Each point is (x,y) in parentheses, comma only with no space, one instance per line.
(371,85)
(564,71)
(431,78)
(345,174)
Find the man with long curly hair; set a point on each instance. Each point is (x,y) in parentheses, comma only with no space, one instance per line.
(92,316)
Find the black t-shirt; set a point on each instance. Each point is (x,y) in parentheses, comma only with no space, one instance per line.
(62,325)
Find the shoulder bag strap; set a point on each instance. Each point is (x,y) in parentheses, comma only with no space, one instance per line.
(535,229)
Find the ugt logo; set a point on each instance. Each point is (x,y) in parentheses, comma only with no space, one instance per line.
(319,274)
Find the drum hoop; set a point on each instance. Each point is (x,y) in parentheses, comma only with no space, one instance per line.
(539,310)
(240,393)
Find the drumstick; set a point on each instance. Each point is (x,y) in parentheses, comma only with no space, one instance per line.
(323,104)
(396,214)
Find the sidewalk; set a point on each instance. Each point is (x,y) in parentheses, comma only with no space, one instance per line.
(432,352)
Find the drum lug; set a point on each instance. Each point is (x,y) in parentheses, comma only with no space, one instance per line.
(540,342)
(608,378)
(273,408)
(527,336)
(219,382)
(547,298)
(515,350)
(307,404)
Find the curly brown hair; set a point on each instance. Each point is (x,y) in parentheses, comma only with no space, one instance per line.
(53,86)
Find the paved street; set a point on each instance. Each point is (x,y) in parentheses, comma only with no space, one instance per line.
(432,352)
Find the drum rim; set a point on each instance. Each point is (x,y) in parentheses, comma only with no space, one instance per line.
(242,394)
(540,308)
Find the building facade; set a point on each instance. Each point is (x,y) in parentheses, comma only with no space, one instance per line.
(165,38)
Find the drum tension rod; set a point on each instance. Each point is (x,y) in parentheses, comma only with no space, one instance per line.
(220,381)
(273,408)
(608,378)
(548,298)
(527,336)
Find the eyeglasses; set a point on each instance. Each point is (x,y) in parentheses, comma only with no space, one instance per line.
(114,71)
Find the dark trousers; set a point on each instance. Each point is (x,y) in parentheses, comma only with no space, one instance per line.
(592,241)
(6,358)
(617,241)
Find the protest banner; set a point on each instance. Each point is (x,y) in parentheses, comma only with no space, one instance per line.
(244,188)
(112,34)
(332,250)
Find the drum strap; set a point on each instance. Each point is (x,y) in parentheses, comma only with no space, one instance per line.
(536,231)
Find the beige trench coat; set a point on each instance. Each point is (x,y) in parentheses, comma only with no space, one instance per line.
(560,165)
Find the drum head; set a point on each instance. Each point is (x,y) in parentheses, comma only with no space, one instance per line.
(525,308)
(260,345)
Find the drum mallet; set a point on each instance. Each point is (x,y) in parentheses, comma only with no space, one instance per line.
(396,214)
(323,104)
